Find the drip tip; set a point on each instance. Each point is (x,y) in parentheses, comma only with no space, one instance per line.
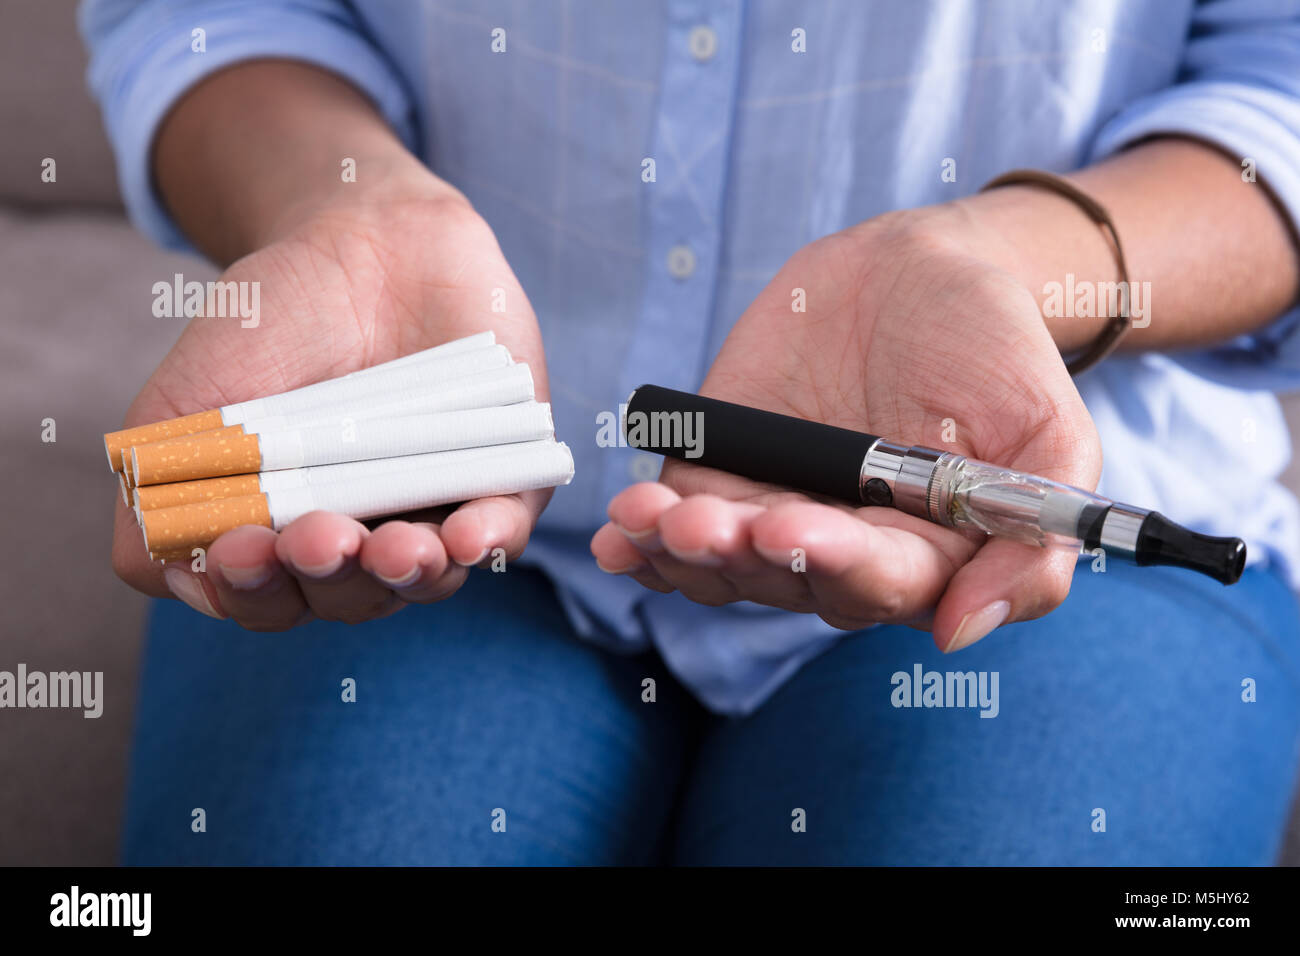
(1161,541)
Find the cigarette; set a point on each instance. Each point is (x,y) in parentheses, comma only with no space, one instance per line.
(152,497)
(509,385)
(410,378)
(115,442)
(168,530)
(222,453)
(488,389)
(480,340)
(372,382)
(473,353)
(192,492)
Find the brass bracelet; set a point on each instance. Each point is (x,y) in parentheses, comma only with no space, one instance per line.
(1110,336)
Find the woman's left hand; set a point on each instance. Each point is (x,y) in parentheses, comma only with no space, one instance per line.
(915,329)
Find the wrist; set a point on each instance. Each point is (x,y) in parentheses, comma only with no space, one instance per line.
(387,180)
(258,149)
(1051,246)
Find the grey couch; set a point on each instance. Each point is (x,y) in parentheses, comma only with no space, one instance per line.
(78,340)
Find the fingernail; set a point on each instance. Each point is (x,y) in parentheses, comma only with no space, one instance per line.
(245,579)
(977,624)
(704,559)
(321,570)
(774,557)
(187,588)
(623,570)
(647,540)
(405,581)
(469,564)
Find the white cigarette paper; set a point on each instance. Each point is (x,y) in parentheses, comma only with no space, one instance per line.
(440,363)
(290,478)
(379,380)
(525,468)
(495,387)
(480,340)
(411,435)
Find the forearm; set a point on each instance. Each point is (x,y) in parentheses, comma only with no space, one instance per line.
(1219,255)
(253,150)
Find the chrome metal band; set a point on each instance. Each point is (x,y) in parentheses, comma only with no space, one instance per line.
(1120,529)
(916,476)
(939,494)
(912,491)
(883,461)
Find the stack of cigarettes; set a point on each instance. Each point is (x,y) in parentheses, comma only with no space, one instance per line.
(445,425)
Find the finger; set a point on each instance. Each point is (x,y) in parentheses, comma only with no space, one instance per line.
(616,554)
(635,511)
(714,561)
(192,588)
(710,531)
(410,559)
(650,578)
(861,572)
(131,559)
(176,579)
(687,478)
(689,563)
(253,586)
(1009,581)
(322,550)
(709,539)
(478,528)
(1005,581)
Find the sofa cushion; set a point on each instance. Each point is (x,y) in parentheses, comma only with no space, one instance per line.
(46,110)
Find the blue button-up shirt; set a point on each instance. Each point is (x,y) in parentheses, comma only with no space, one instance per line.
(648,167)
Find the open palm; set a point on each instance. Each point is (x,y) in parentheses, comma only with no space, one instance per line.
(909,333)
(358,284)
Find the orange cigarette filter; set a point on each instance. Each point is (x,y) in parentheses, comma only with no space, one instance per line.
(116,442)
(210,454)
(125,456)
(184,527)
(177,493)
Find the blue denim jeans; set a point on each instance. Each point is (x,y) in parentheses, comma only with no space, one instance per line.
(1154,718)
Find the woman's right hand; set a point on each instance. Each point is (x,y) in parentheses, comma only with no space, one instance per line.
(378,272)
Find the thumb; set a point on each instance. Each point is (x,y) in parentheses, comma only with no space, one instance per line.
(1008,580)
(1005,581)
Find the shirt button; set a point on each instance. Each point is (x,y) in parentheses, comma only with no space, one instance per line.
(681,262)
(703,43)
(645,467)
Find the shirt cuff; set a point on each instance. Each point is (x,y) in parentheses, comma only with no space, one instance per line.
(146,64)
(1246,122)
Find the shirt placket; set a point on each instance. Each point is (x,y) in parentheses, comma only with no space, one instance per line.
(683,207)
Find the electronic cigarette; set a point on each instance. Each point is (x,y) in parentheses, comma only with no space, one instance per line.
(946,488)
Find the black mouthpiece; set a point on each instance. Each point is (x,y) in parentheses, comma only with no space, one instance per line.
(1160,541)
